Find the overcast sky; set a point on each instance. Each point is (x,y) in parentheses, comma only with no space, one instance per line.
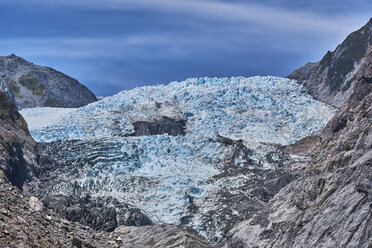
(112,45)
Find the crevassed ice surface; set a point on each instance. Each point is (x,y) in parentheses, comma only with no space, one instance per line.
(160,173)
(262,109)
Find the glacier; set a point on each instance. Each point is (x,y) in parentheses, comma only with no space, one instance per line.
(162,174)
(262,109)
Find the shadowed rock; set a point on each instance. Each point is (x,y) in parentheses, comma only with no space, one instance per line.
(165,125)
(99,213)
(17,148)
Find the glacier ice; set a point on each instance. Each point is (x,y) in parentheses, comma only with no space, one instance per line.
(161,174)
(262,109)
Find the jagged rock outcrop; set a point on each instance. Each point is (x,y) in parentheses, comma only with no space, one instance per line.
(29,85)
(99,213)
(164,125)
(330,204)
(17,148)
(330,79)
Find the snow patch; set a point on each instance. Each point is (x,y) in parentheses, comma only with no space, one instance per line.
(38,118)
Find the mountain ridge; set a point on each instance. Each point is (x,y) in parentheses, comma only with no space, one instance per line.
(29,85)
(330,79)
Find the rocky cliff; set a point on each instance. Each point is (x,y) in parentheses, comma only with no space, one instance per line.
(29,85)
(330,79)
(17,148)
(330,204)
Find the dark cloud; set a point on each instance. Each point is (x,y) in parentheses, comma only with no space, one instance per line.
(120,44)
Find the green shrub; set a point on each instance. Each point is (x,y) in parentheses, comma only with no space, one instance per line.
(12,86)
(32,84)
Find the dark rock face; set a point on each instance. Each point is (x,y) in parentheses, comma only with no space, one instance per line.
(100,214)
(17,148)
(29,85)
(329,205)
(165,125)
(330,79)
(238,201)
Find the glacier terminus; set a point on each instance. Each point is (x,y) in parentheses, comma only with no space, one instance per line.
(175,150)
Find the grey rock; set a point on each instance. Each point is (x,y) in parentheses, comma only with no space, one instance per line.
(35,204)
(160,236)
(330,79)
(18,156)
(29,85)
(22,227)
(98,213)
(164,125)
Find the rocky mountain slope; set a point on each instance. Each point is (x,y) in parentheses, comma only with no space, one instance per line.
(28,225)
(330,204)
(330,79)
(29,85)
(17,149)
(205,152)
